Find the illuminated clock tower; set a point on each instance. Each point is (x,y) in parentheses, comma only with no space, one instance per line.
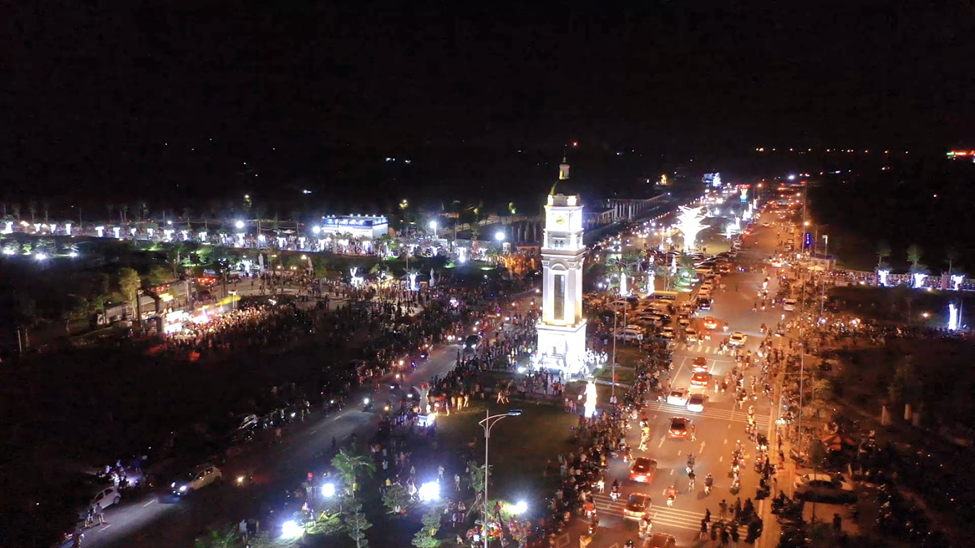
(562,329)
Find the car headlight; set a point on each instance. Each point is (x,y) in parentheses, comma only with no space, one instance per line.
(173,485)
(182,489)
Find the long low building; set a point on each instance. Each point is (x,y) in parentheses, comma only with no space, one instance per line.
(364,226)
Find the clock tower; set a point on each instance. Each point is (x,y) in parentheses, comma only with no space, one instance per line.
(562,329)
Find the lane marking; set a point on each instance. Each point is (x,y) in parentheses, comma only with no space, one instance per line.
(103,529)
(701,450)
(720,459)
(148,503)
(662,438)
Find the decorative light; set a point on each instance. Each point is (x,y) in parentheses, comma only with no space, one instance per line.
(429,492)
(100,230)
(67,228)
(956,280)
(952,317)
(883,277)
(116,230)
(412,277)
(689,223)
(590,406)
(919,279)
(40,256)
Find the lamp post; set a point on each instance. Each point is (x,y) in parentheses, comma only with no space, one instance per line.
(488,422)
(433,226)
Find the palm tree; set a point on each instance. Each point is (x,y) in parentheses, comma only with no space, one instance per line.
(111,209)
(914,255)
(15,209)
(348,466)
(216,538)
(123,210)
(952,255)
(32,208)
(47,216)
(883,251)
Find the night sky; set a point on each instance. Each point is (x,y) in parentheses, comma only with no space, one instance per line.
(169,99)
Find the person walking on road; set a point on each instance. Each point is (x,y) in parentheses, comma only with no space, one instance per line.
(723,505)
(99,513)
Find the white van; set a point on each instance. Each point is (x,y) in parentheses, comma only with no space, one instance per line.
(789,305)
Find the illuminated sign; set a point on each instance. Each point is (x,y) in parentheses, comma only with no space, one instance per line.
(355,221)
(808,240)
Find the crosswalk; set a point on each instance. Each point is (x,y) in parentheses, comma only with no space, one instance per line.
(660,514)
(700,348)
(732,415)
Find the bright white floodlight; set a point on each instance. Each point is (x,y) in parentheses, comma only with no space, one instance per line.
(328,490)
(520,507)
(689,223)
(429,492)
(291,529)
(239,224)
(499,236)
(433,225)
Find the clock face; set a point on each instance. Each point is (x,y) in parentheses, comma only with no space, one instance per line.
(560,220)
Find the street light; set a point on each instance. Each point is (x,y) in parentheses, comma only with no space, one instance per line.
(488,422)
(433,227)
(328,490)
(239,224)
(499,236)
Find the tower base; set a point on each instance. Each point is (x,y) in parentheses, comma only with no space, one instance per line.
(563,348)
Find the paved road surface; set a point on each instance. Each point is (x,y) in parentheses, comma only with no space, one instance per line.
(718,427)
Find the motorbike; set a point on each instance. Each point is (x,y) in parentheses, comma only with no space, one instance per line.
(367,404)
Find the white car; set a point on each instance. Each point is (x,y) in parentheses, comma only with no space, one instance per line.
(691,335)
(106,497)
(199,477)
(677,396)
(695,403)
(667,332)
(815,485)
(789,305)
(684,322)
(738,339)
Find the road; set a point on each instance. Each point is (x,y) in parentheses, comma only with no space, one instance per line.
(165,521)
(717,428)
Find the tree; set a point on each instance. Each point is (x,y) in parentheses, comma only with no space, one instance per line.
(217,538)
(883,251)
(158,275)
(904,385)
(23,309)
(123,210)
(79,309)
(129,284)
(396,499)
(348,466)
(32,208)
(15,209)
(426,537)
(952,255)
(356,523)
(477,484)
(914,255)
(111,209)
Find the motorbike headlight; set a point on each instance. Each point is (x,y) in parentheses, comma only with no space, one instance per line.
(173,485)
(182,489)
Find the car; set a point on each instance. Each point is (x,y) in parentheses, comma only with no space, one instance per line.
(199,477)
(248,422)
(700,380)
(679,428)
(695,403)
(637,504)
(789,305)
(823,486)
(667,332)
(710,323)
(643,469)
(684,321)
(690,334)
(677,396)
(106,497)
(470,343)
(776,263)
(700,365)
(660,540)
(738,339)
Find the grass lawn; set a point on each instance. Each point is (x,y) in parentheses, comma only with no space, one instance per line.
(520,447)
(623,375)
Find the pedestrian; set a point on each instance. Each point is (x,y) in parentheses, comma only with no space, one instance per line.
(724,537)
(693,432)
(723,505)
(704,530)
(837,523)
(707,515)
(242,529)
(734,537)
(456,482)
(99,513)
